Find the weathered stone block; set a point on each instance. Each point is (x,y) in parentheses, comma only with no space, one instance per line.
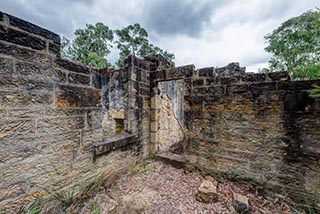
(25,99)
(237,88)
(79,79)
(21,38)
(44,138)
(193,103)
(64,112)
(94,119)
(71,96)
(207,192)
(295,102)
(298,85)
(25,113)
(144,91)
(154,126)
(212,81)
(54,48)
(61,146)
(206,72)
(158,75)
(91,137)
(253,77)
(136,62)
(9,128)
(175,160)
(241,204)
(279,76)
(72,66)
(114,143)
(232,69)
(215,90)
(117,113)
(54,125)
(22,83)
(13,149)
(154,137)
(6,66)
(179,72)
(31,28)
(24,54)
(97,81)
(3,113)
(262,87)
(228,80)
(41,72)
(198,82)
(12,191)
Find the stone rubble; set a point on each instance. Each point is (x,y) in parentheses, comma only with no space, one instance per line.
(207,192)
(241,203)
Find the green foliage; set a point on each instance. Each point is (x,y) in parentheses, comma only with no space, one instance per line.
(87,189)
(70,198)
(33,208)
(91,45)
(143,166)
(306,72)
(65,198)
(95,207)
(295,46)
(133,40)
(315,93)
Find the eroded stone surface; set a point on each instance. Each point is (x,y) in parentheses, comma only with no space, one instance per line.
(241,203)
(256,125)
(169,117)
(207,192)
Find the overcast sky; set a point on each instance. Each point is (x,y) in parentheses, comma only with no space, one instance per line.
(203,32)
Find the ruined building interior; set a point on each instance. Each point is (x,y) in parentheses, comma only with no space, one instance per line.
(64,123)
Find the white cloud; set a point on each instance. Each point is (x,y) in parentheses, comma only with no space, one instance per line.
(231,30)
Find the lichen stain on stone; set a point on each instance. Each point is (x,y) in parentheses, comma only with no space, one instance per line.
(169,131)
(70,96)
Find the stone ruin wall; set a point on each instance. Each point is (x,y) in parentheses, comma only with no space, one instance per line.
(53,113)
(63,123)
(262,128)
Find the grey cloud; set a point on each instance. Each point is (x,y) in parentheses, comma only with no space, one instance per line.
(253,60)
(167,17)
(57,16)
(246,13)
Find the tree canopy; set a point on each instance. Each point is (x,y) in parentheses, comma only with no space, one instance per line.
(93,44)
(295,46)
(133,40)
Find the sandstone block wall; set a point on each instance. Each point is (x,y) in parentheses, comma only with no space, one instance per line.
(63,123)
(52,112)
(262,128)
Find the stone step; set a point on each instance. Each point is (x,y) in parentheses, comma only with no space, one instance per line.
(175,160)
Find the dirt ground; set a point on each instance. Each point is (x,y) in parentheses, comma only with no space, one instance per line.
(156,188)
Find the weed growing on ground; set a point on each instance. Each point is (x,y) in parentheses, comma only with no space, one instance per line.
(34,207)
(142,166)
(95,207)
(87,189)
(65,198)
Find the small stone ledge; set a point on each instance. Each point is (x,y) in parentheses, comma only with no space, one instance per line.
(32,28)
(72,66)
(175,160)
(113,143)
